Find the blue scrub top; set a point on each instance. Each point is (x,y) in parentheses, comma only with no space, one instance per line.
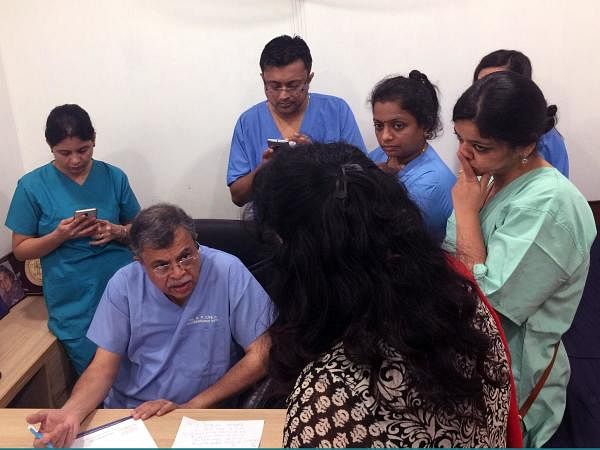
(326,119)
(74,274)
(553,149)
(175,352)
(429,183)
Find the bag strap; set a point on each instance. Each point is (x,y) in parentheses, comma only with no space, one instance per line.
(538,386)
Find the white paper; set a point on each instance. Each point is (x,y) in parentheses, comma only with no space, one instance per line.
(127,434)
(218,433)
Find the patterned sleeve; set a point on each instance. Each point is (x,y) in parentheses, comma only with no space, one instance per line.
(323,412)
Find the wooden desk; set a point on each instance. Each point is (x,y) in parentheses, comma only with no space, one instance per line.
(33,365)
(163,429)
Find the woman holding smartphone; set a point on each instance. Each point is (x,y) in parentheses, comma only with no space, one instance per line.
(79,252)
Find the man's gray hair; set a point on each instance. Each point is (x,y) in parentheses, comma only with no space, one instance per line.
(154,227)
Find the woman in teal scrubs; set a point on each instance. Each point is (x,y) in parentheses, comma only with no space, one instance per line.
(78,254)
(525,231)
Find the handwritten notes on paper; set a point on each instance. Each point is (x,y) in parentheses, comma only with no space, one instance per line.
(218,433)
(119,434)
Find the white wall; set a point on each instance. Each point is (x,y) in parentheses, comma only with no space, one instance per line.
(355,45)
(164,81)
(12,165)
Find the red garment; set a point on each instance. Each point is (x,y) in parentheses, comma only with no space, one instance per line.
(514,434)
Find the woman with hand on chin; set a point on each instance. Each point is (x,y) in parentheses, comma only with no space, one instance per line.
(525,231)
(78,254)
(405,116)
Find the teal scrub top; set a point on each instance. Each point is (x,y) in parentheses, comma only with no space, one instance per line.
(538,232)
(76,273)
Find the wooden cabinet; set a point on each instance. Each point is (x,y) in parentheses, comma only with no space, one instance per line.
(35,370)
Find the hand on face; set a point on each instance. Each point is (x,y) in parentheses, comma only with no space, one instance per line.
(469,193)
(391,166)
(76,227)
(58,427)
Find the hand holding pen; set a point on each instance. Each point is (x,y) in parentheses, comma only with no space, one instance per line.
(58,427)
(37,435)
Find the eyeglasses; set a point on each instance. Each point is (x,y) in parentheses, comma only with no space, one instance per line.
(294,87)
(184,262)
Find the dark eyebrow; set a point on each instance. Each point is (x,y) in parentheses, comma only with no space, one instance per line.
(84,147)
(159,262)
(287,82)
(184,252)
(395,119)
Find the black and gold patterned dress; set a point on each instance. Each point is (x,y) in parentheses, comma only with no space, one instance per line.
(332,405)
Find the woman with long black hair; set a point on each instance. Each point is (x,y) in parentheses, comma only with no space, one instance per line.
(379,337)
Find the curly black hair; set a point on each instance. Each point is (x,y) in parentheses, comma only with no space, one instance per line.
(356,265)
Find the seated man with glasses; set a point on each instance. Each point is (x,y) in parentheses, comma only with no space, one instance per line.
(181,327)
(290,113)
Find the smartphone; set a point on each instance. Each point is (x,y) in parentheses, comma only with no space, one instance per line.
(277,144)
(90,213)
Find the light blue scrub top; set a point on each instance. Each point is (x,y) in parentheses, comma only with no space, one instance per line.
(552,148)
(326,119)
(75,274)
(429,183)
(175,352)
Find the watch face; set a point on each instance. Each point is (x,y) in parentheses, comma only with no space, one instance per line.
(33,271)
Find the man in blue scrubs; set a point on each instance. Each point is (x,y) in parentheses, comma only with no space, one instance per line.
(290,113)
(181,327)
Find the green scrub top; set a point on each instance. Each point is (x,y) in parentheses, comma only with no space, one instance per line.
(538,231)
(74,274)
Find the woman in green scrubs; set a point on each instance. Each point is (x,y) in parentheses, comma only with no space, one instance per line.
(525,231)
(78,254)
